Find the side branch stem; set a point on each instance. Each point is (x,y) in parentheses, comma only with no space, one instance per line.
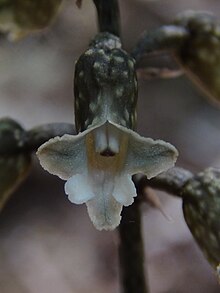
(164,38)
(29,141)
(171,181)
(40,134)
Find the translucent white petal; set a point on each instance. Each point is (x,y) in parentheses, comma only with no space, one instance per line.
(107,137)
(100,139)
(124,189)
(79,189)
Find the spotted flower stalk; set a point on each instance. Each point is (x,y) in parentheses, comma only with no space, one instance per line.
(99,161)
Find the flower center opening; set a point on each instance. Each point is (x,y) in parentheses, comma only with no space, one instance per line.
(107,153)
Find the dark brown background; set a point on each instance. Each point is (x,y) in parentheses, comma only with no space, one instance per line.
(48,245)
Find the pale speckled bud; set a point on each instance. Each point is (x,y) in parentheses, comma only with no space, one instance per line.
(105,85)
(200,54)
(201,206)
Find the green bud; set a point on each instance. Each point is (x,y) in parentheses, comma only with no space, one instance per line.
(200,54)
(20,17)
(201,207)
(12,136)
(35,14)
(14,162)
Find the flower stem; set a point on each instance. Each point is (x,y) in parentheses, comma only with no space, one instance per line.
(131,248)
(108,16)
(131,251)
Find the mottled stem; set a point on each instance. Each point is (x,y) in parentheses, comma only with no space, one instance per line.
(171,181)
(168,37)
(40,134)
(131,251)
(14,139)
(108,16)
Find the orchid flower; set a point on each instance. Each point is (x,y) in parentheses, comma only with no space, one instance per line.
(99,161)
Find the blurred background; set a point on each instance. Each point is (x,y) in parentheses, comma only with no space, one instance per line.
(49,245)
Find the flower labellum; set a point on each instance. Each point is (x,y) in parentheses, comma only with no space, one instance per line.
(99,162)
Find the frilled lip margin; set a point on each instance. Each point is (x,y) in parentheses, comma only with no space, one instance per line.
(98,164)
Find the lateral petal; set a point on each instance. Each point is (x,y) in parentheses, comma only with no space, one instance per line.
(145,155)
(149,156)
(64,156)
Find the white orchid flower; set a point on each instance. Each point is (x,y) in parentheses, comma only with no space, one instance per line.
(99,162)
